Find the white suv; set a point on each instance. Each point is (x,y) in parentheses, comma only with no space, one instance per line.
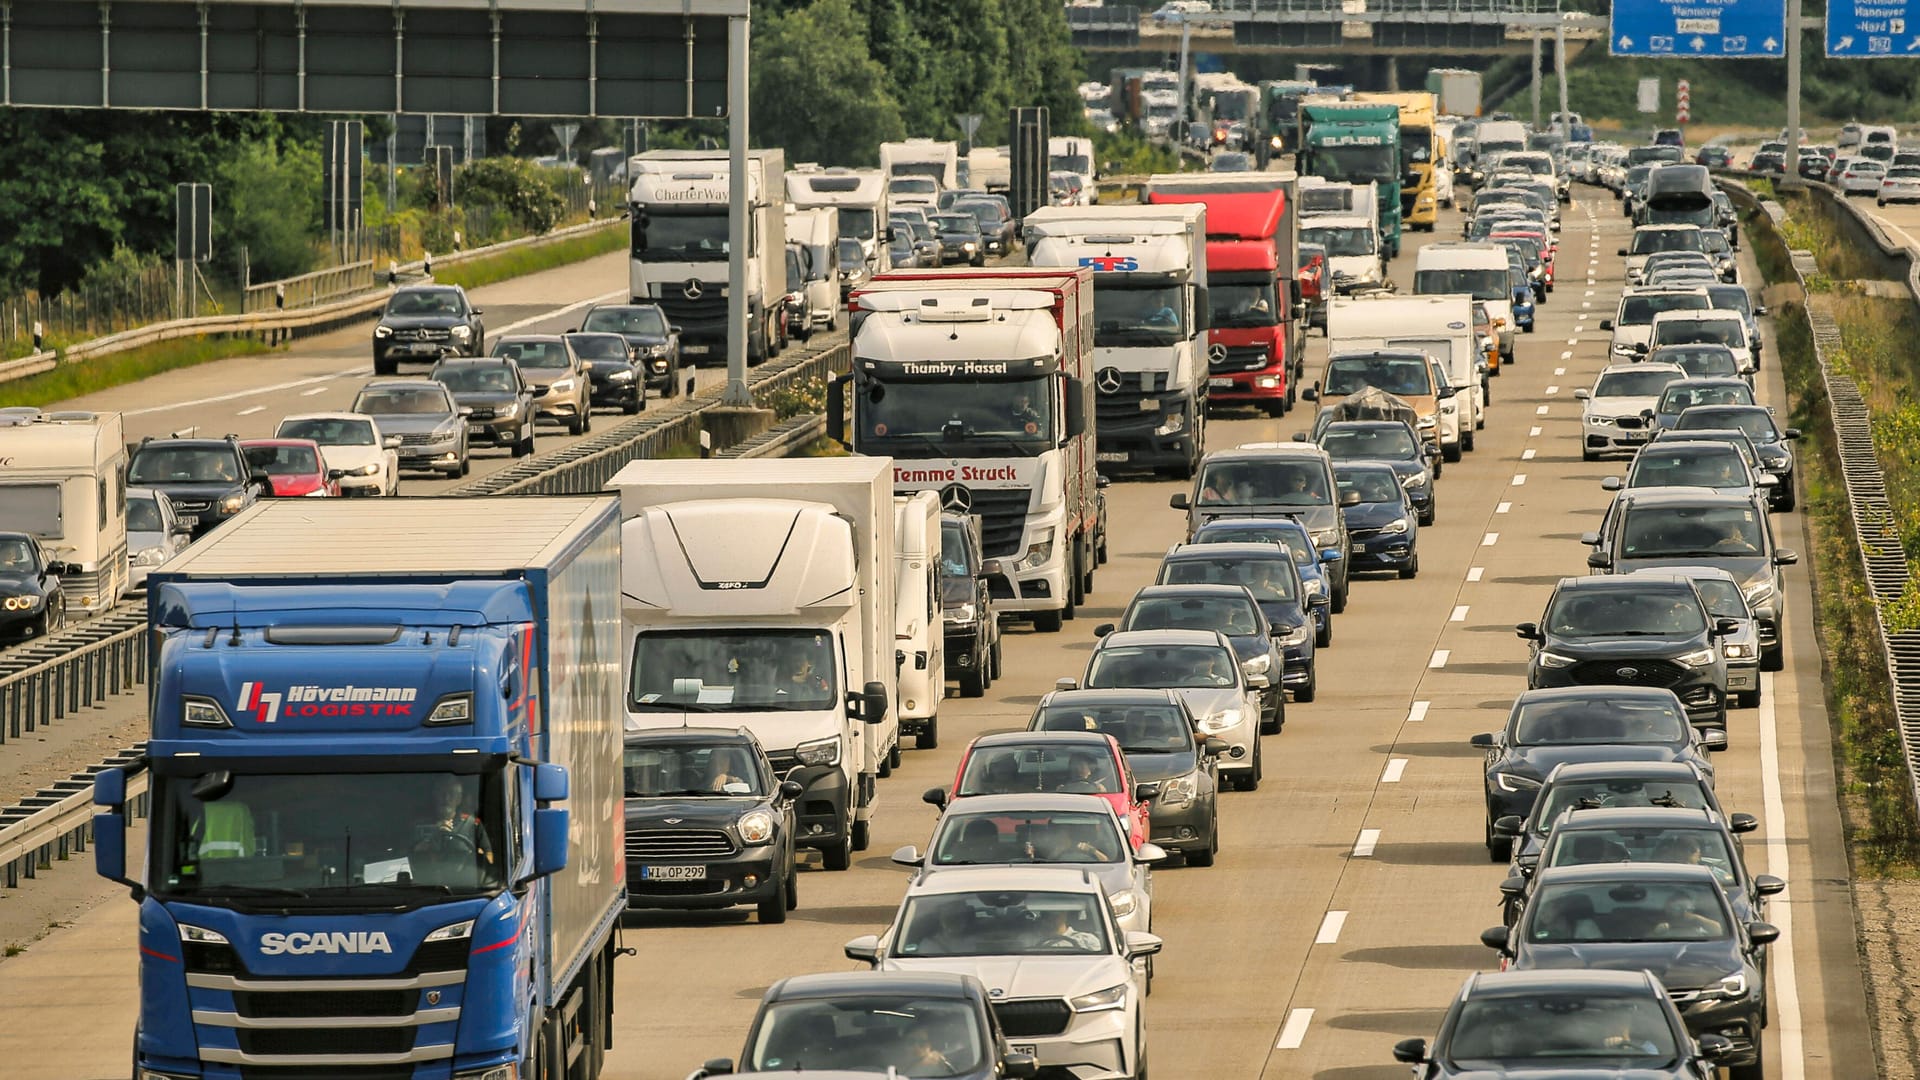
(1058,968)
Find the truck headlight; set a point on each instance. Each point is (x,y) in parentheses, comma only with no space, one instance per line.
(459,931)
(509,1071)
(1697,658)
(1113,997)
(1221,721)
(819,751)
(1175,424)
(201,936)
(961,613)
(756,827)
(1038,552)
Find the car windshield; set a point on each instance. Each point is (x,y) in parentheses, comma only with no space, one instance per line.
(1699,361)
(1679,397)
(1294,539)
(1002,924)
(533,354)
(143,515)
(1561,796)
(1732,298)
(1487,284)
(1404,376)
(1374,485)
(1666,532)
(1339,240)
(687,769)
(1702,466)
(1756,423)
(1369,443)
(1138,728)
(329,432)
(1723,598)
(415,303)
(1234,616)
(1690,846)
(953,550)
(851,254)
(1257,483)
(283,460)
(1635,382)
(1596,721)
(183,465)
(1658,911)
(957,222)
(477,378)
(430,400)
(1729,332)
(1181,667)
(732,671)
(599,346)
(1080,769)
(1578,613)
(1647,241)
(1028,836)
(1127,315)
(1547,1026)
(626,320)
(904,1036)
(1270,580)
(1640,310)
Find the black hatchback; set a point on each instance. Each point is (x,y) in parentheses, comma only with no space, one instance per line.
(1647,631)
(619,381)
(655,342)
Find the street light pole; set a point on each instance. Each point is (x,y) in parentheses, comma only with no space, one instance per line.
(738,211)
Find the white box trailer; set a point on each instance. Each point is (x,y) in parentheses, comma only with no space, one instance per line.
(760,593)
(919,634)
(63,480)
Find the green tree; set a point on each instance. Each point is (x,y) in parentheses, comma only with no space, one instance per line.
(816,90)
(515,186)
(269,203)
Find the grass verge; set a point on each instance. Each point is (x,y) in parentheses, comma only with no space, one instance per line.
(518,262)
(74,380)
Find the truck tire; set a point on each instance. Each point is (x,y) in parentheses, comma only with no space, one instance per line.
(973,681)
(1048,622)
(862,834)
(1088,563)
(838,858)
(929,737)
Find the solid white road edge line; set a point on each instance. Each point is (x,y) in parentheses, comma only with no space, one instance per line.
(1786,990)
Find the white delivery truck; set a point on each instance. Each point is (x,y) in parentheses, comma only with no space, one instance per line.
(989,168)
(681,251)
(1353,245)
(1475,270)
(920,161)
(919,634)
(1073,154)
(859,196)
(1441,327)
(63,480)
(1150,318)
(816,233)
(759,593)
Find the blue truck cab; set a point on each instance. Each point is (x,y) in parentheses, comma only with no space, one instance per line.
(385,779)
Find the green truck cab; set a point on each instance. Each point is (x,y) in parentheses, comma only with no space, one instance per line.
(1355,144)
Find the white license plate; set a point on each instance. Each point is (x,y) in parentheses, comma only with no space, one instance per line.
(673,873)
(1023,1048)
(1634,436)
(1111,455)
(1220,384)
(189,520)
(694,350)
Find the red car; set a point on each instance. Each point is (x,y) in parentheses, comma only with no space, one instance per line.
(294,467)
(1068,762)
(1548,249)
(1313,281)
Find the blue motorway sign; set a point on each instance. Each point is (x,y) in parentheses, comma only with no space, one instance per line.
(1871,28)
(1700,28)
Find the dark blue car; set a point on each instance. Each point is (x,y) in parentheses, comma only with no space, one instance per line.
(1316,574)
(1269,572)
(1385,442)
(1382,526)
(1522,292)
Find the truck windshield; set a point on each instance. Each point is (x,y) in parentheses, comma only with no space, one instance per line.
(915,179)
(1073,163)
(759,670)
(1357,163)
(700,236)
(1479,284)
(856,222)
(1326,200)
(956,418)
(313,835)
(1237,303)
(1127,315)
(1340,240)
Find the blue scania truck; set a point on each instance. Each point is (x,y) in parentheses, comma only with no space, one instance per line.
(386,821)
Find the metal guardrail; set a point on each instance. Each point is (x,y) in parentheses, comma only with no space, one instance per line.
(308,290)
(57,821)
(103,659)
(782,438)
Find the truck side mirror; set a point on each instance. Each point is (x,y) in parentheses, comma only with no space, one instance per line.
(837,409)
(550,783)
(110,829)
(1202,314)
(1076,407)
(869,706)
(550,825)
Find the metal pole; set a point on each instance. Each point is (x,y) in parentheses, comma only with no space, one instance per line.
(1180,113)
(1560,69)
(737,215)
(1790,167)
(1536,76)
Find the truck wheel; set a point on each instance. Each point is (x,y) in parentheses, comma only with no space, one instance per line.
(893,755)
(1450,454)
(862,834)
(973,681)
(1086,577)
(838,858)
(773,909)
(1076,582)
(929,737)
(1048,622)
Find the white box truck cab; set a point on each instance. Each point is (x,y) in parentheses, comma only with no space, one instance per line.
(989,168)
(977,384)
(1150,318)
(1073,154)
(859,196)
(1355,259)
(681,251)
(918,170)
(1441,327)
(759,594)
(1477,270)
(815,233)
(63,481)
(919,634)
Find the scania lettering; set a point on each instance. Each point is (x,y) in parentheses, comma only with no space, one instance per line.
(1033,422)
(679,204)
(1150,311)
(1256,334)
(415,871)
(1356,143)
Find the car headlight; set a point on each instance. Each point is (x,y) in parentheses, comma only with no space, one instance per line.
(1394,528)
(21,603)
(1698,658)
(232,503)
(1732,987)
(623,375)
(1314,586)
(1739,651)
(153,556)
(1555,660)
(961,613)
(1296,636)
(1597,420)
(366,470)
(756,827)
(1325,538)
(1759,594)
(1514,782)
(1429,421)
(1776,462)
(1179,792)
(657,350)
(969,246)
(1412,481)
(1038,552)
(1258,665)
(462,333)
(382,332)
(507,411)
(561,386)
(1175,424)
(1122,904)
(1221,721)
(1113,997)
(819,752)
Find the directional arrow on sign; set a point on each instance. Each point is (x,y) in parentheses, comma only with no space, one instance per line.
(1771,45)
(1626,42)
(1914,44)
(1698,43)
(1843,43)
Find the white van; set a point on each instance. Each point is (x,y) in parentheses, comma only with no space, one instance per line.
(1441,327)
(816,232)
(1353,250)
(1474,270)
(63,480)
(920,635)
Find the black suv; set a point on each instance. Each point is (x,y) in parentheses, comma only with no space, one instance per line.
(967,612)
(655,341)
(708,823)
(1768,438)
(209,480)
(1639,630)
(423,323)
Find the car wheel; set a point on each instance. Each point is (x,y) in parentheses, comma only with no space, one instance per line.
(840,857)
(1588,455)
(893,755)
(773,909)
(1306,693)
(862,834)
(1340,599)
(1411,570)
(995,652)
(929,737)
(1323,636)
(1204,856)
(638,403)
(1499,848)
(577,425)
(672,386)
(1432,514)
(1466,438)
(1747,699)
(793,885)
(586,416)
(385,367)
(1252,780)
(525,445)
(1773,659)
(1274,409)
(1755,1071)
(1048,622)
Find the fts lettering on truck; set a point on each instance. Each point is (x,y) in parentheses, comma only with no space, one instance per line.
(267,707)
(1109,264)
(300,944)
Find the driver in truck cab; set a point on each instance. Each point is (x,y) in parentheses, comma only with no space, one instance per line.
(451,827)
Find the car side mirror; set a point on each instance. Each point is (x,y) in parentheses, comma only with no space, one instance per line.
(1349,498)
(1411,1051)
(1145,790)
(1606,324)
(1767,480)
(1742,823)
(791,789)
(1178,500)
(865,949)
(907,856)
(1514,886)
(1785,557)
(1582,394)
(1725,627)
(335,474)
(1143,944)
(477,312)
(181,530)
(1622,251)
(1300,436)
(1792,433)
(1103,629)
(1597,560)
(714,1067)
(1483,740)
(993,568)
(1762,933)
(1215,747)
(391,442)
(1528,631)
(1495,938)
(1150,854)
(1067,683)
(1076,409)
(673,328)
(1714,739)
(260,478)
(935,796)
(1509,825)
(1311,393)
(1760,311)
(1019,1066)
(1590,539)
(1768,885)
(1331,556)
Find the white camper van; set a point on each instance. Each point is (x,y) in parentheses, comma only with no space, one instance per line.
(63,480)
(919,634)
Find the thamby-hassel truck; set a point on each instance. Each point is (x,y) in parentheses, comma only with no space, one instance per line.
(919,635)
(1257,328)
(759,594)
(1441,327)
(1457,89)
(977,384)
(1358,144)
(937,160)
(386,834)
(1150,312)
(1074,154)
(63,481)
(1419,202)
(858,195)
(681,249)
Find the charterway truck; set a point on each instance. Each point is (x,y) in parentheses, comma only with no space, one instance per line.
(681,250)
(1356,144)
(977,384)
(1257,330)
(63,480)
(1150,312)
(386,834)
(1441,327)
(932,159)
(759,594)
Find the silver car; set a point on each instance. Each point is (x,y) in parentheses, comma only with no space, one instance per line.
(154,533)
(1741,649)
(1202,667)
